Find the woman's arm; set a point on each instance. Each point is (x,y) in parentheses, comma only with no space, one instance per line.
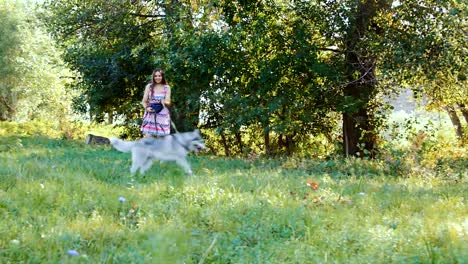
(167,98)
(145,100)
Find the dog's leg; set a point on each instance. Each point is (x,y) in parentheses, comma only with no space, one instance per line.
(146,165)
(185,165)
(137,161)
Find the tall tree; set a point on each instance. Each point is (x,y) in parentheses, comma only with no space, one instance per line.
(10,40)
(32,74)
(432,59)
(282,66)
(268,75)
(110,44)
(381,45)
(359,128)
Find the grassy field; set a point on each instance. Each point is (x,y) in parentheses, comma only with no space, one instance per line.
(65,202)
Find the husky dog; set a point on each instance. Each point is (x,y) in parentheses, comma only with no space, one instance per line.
(173,147)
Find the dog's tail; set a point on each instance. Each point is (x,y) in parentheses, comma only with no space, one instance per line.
(121,145)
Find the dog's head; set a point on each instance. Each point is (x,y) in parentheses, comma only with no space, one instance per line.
(114,140)
(121,145)
(196,143)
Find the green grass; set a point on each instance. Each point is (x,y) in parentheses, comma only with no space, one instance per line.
(58,195)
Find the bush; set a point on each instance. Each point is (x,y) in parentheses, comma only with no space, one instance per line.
(58,130)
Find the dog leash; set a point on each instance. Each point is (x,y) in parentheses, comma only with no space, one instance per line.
(172,123)
(173,126)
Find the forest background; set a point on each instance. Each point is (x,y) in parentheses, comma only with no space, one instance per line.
(309,78)
(309,159)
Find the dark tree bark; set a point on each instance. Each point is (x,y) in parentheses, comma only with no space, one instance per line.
(239,142)
(178,117)
(289,144)
(359,135)
(358,132)
(227,151)
(464,111)
(110,117)
(455,121)
(266,138)
(185,93)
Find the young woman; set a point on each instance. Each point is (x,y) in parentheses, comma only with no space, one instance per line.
(156,91)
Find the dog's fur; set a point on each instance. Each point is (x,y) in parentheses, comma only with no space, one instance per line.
(173,147)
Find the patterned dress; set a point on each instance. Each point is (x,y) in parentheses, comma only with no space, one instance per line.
(157,124)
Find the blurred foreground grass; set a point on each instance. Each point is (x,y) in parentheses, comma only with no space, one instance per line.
(65,202)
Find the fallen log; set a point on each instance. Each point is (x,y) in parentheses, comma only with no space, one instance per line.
(96,140)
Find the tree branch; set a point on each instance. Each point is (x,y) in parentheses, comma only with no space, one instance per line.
(142,15)
(330,49)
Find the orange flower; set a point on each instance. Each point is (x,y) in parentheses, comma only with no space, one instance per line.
(312,185)
(135,205)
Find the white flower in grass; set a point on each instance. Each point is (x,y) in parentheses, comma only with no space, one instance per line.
(362,193)
(122,199)
(15,242)
(72,252)
(382,233)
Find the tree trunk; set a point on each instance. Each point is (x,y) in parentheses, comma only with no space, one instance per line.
(239,142)
(110,117)
(281,142)
(289,144)
(227,152)
(455,121)
(8,109)
(350,135)
(185,93)
(98,117)
(266,137)
(179,120)
(464,111)
(184,117)
(359,135)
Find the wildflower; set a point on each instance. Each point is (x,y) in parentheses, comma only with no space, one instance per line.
(122,199)
(312,185)
(362,193)
(135,205)
(72,252)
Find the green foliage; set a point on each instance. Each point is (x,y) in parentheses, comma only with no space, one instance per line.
(428,54)
(61,195)
(12,132)
(287,67)
(415,145)
(225,143)
(32,73)
(110,44)
(10,39)
(222,74)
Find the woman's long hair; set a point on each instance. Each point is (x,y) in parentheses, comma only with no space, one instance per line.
(152,83)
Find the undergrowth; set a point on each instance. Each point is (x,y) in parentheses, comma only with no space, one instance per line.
(62,201)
